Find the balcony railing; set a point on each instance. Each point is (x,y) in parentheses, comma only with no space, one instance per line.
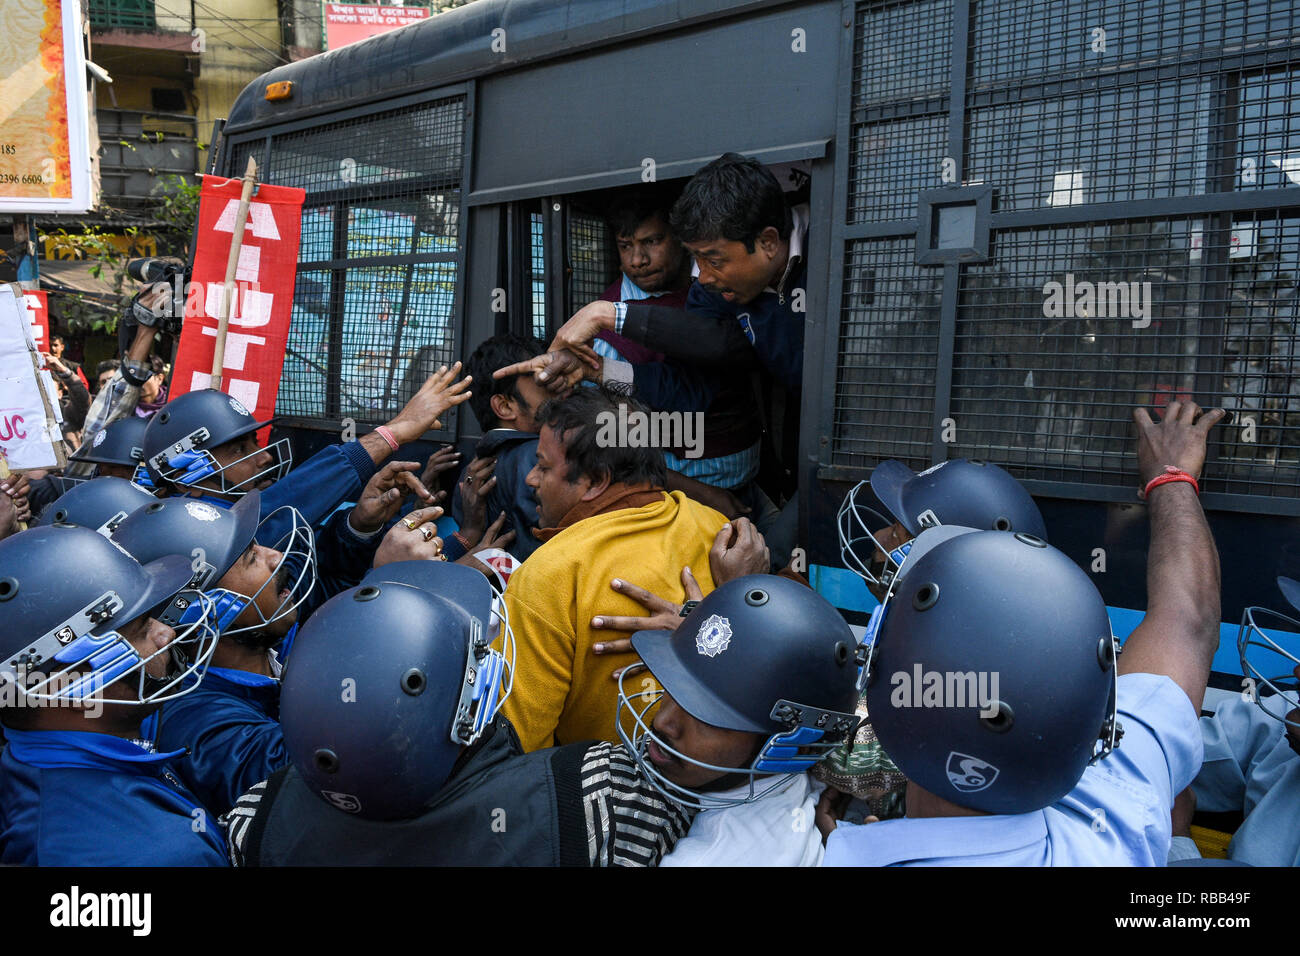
(139,148)
(123,15)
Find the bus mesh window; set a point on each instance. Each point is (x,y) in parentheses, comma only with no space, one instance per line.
(537,274)
(377,278)
(593,262)
(1074,326)
(884,394)
(900,102)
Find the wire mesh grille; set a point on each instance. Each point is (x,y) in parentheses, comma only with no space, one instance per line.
(902,50)
(1074,326)
(593,261)
(1013,39)
(892,163)
(1145,141)
(537,273)
(884,393)
(378,261)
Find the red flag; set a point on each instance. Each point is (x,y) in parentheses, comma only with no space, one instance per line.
(264,281)
(38,302)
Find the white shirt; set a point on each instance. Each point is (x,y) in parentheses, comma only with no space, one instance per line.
(775,830)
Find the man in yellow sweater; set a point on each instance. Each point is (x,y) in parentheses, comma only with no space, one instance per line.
(603,514)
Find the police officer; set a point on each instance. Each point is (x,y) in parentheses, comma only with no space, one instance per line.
(204,443)
(229,724)
(115,451)
(399,754)
(1252,745)
(759,684)
(1028,772)
(99,504)
(957,492)
(86,654)
(963,492)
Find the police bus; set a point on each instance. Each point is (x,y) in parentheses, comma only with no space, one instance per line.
(1027,217)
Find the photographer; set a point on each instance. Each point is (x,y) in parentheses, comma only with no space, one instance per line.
(138,381)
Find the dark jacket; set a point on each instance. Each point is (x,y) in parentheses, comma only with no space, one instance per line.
(581,805)
(516,454)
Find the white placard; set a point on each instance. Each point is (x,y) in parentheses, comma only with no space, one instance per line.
(29,427)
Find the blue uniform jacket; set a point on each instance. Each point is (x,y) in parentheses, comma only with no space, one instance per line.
(713,331)
(230,724)
(316,487)
(71,798)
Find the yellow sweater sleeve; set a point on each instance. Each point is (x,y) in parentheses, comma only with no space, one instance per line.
(544,648)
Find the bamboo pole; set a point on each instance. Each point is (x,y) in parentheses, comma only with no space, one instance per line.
(232,263)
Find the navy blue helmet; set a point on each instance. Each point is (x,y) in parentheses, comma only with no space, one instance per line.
(65,595)
(1279,663)
(100,504)
(118,443)
(761,654)
(179,440)
(992,675)
(389,682)
(968,493)
(213,539)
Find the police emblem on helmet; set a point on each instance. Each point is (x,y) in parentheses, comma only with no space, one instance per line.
(99,438)
(201,511)
(238,406)
(714,636)
(970,774)
(344,801)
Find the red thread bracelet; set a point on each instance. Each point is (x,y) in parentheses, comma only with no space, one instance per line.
(387,436)
(1171,474)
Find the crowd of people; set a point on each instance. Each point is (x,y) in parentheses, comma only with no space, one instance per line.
(590,652)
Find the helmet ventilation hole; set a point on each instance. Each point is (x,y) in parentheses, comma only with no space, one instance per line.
(756,598)
(1002,524)
(926,596)
(164,417)
(1000,722)
(8,588)
(326,761)
(413,682)
(367,593)
(155,507)
(842,652)
(1030,540)
(1106,653)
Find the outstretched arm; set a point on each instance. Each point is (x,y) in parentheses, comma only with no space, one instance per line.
(1180,632)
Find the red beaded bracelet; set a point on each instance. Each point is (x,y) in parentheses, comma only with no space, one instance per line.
(1171,474)
(387,436)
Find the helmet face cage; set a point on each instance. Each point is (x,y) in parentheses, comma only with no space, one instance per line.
(856,535)
(297,549)
(185,463)
(71,665)
(141,478)
(779,757)
(1251,634)
(489,675)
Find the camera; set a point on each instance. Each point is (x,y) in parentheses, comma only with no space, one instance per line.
(146,307)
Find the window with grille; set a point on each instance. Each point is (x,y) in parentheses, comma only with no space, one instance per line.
(1144,236)
(379,262)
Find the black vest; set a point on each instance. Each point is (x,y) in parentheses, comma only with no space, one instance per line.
(500,807)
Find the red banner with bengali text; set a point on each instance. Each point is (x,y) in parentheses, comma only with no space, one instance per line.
(263,301)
